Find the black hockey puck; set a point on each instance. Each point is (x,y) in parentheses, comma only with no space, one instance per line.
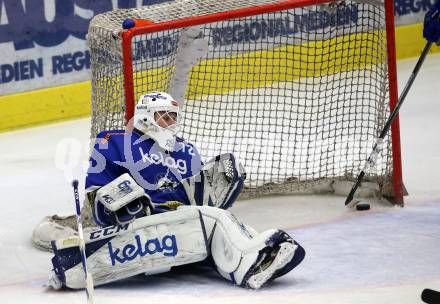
(362,207)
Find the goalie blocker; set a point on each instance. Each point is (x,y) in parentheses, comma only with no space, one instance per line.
(155,243)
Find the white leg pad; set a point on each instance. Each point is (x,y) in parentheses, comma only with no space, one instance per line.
(237,250)
(151,244)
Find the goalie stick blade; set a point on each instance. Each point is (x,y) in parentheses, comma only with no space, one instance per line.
(430,296)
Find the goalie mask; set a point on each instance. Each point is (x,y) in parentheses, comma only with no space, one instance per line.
(157,115)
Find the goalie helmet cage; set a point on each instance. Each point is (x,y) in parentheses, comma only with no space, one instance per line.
(298,90)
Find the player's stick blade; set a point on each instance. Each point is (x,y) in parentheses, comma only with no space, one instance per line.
(349,199)
(430,296)
(352,203)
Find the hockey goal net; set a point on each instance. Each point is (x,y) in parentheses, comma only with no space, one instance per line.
(297,90)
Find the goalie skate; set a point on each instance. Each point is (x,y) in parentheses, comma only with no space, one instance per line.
(274,262)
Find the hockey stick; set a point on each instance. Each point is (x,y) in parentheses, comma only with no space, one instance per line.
(430,296)
(82,245)
(371,161)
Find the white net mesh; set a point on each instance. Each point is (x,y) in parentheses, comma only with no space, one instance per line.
(298,95)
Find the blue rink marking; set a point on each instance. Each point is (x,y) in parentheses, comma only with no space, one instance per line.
(393,247)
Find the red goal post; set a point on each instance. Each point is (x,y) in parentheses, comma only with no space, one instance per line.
(202,13)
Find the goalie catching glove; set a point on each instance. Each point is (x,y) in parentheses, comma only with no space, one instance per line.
(120,202)
(218,184)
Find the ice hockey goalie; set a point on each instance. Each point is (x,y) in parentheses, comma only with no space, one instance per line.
(152,204)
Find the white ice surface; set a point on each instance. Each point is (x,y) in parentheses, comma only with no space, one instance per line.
(386,255)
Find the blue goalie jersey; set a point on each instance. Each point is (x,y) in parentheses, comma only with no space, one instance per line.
(158,171)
